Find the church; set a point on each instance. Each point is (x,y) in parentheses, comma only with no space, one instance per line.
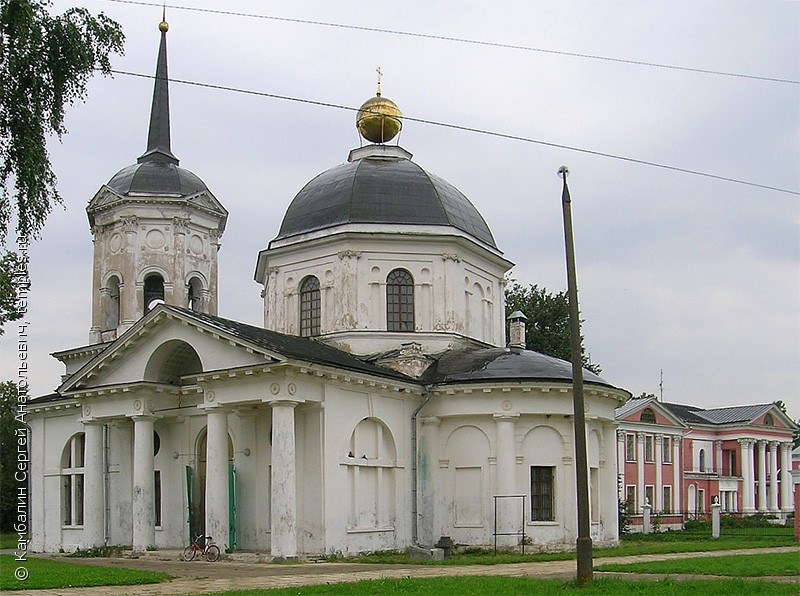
(380,406)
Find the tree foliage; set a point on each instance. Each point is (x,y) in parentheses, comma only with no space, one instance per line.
(45,65)
(547,329)
(8,455)
(13,277)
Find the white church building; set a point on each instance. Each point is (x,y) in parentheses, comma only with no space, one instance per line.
(378,407)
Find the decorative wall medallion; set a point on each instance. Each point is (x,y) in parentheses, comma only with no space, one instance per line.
(155,239)
(210,396)
(292,388)
(137,405)
(506,405)
(115,244)
(196,244)
(87,410)
(274,388)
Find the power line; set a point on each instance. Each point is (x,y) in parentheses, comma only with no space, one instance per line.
(468,129)
(460,40)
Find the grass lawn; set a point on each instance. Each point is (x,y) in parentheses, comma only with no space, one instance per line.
(733,566)
(637,545)
(44,574)
(514,585)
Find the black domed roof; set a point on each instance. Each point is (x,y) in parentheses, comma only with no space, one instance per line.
(494,364)
(381,190)
(156,178)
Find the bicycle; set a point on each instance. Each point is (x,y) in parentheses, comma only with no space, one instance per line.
(209,550)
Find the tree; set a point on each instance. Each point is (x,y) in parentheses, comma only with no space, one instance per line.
(13,284)
(547,330)
(45,64)
(8,455)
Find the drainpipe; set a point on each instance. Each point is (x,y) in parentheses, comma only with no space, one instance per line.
(106,487)
(414,481)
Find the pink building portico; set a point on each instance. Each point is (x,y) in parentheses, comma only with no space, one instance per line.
(681,459)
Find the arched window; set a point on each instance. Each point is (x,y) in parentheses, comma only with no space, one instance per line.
(648,416)
(399,301)
(153,291)
(195,292)
(702,459)
(111,307)
(72,462)
(768,421)
(310,307)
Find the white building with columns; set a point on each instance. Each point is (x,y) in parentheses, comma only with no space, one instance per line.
(681,459)
(378,407)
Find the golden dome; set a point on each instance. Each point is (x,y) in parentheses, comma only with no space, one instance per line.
(379,119)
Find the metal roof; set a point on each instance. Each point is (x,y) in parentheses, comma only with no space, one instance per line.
(493,364)
(156,178)
(383,190)
(730,415)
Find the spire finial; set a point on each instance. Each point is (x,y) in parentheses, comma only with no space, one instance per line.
(163,26)
(158,137)
(380,74)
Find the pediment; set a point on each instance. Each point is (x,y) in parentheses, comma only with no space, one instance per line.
(164,346)
(632,412)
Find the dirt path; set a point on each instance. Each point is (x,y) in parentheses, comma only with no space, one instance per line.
(201,577)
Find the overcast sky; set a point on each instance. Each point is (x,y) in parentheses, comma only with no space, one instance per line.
(695,276)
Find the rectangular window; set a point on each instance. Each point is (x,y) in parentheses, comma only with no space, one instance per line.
(542,493)
(667,504)
(648,448)
(701,500)
(733,463)
(157,496)
(630,447)
(66,499)
(630,498)
(666,445)
(648,495)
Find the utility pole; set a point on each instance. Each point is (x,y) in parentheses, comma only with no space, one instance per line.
(584,542)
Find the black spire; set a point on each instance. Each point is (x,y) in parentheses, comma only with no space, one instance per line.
(158,145)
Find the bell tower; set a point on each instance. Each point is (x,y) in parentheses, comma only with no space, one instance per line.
(156,230)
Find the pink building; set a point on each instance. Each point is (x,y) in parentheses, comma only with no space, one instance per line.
(680,459)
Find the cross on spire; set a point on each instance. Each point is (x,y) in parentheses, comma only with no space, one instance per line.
(380,74)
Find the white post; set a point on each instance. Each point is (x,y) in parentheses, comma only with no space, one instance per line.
(93,486)
(715,507)
(646,527)
(786,478)
(217,477)
(762,476)
(284,481)
(143,505)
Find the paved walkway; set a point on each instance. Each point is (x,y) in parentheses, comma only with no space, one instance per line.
(199,577)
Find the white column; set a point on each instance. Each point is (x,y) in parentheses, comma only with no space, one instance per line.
(143,505)
(786,478)
(621,464)
(640,469)
(659,491)
(93,490)
(762,475)
(773,476)
(284,481)
(428,520)
(677,472)
(748,501)
(217,477)
(507,509)
(718,457)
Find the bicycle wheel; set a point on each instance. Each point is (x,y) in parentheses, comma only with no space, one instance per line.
(189,552)
(212,553)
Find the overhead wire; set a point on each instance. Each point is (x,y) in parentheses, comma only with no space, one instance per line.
(459,40)
(470,129)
